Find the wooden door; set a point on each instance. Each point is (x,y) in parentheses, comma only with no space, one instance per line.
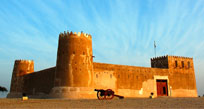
(162,89)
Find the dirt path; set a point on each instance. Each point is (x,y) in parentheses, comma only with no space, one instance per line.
(116,103)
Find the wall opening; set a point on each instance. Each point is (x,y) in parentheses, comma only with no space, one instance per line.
(162,87)
(176,64)
(189,65)
(182,63)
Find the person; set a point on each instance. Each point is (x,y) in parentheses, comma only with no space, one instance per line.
(152,95)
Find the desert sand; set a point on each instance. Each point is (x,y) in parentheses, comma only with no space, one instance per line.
(94,103)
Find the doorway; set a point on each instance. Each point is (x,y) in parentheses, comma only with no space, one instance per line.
(162,89)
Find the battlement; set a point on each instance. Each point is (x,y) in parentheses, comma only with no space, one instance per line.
(159,62)
(24,61)
(75,34)
(159,57)
(168,56)
(182,57)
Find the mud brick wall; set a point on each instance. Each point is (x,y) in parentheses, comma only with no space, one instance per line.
(39,82)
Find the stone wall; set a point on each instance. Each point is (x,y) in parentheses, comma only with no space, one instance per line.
(129,81)
(132,81)
(39,82)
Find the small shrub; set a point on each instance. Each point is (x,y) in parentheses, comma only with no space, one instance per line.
(3,89)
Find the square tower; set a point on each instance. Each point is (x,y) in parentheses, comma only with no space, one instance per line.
(172,62)
(180,73)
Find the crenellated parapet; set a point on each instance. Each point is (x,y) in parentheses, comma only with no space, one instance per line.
(159,62)
(169,56)
(24,61)
(68,34)
(181,57)
(159,57)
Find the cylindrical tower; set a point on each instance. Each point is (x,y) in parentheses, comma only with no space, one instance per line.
(74,67)
(21,68)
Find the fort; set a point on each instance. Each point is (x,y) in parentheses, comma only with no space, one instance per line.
(76,75)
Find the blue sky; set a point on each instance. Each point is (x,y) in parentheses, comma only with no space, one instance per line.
(123,31)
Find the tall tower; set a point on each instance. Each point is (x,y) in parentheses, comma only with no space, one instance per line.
(74,67)
(21,68)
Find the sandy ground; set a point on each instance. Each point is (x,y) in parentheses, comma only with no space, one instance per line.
(115,103)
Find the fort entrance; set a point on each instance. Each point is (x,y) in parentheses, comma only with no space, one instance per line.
(162,89)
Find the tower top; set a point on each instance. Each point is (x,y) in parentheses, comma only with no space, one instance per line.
(168,56)
(24,61)
(75,34)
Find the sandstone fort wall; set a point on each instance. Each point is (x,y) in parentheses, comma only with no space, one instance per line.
(40,82)
(76,75)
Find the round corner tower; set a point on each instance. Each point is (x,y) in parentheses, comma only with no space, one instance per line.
(21,68)
(74,67)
